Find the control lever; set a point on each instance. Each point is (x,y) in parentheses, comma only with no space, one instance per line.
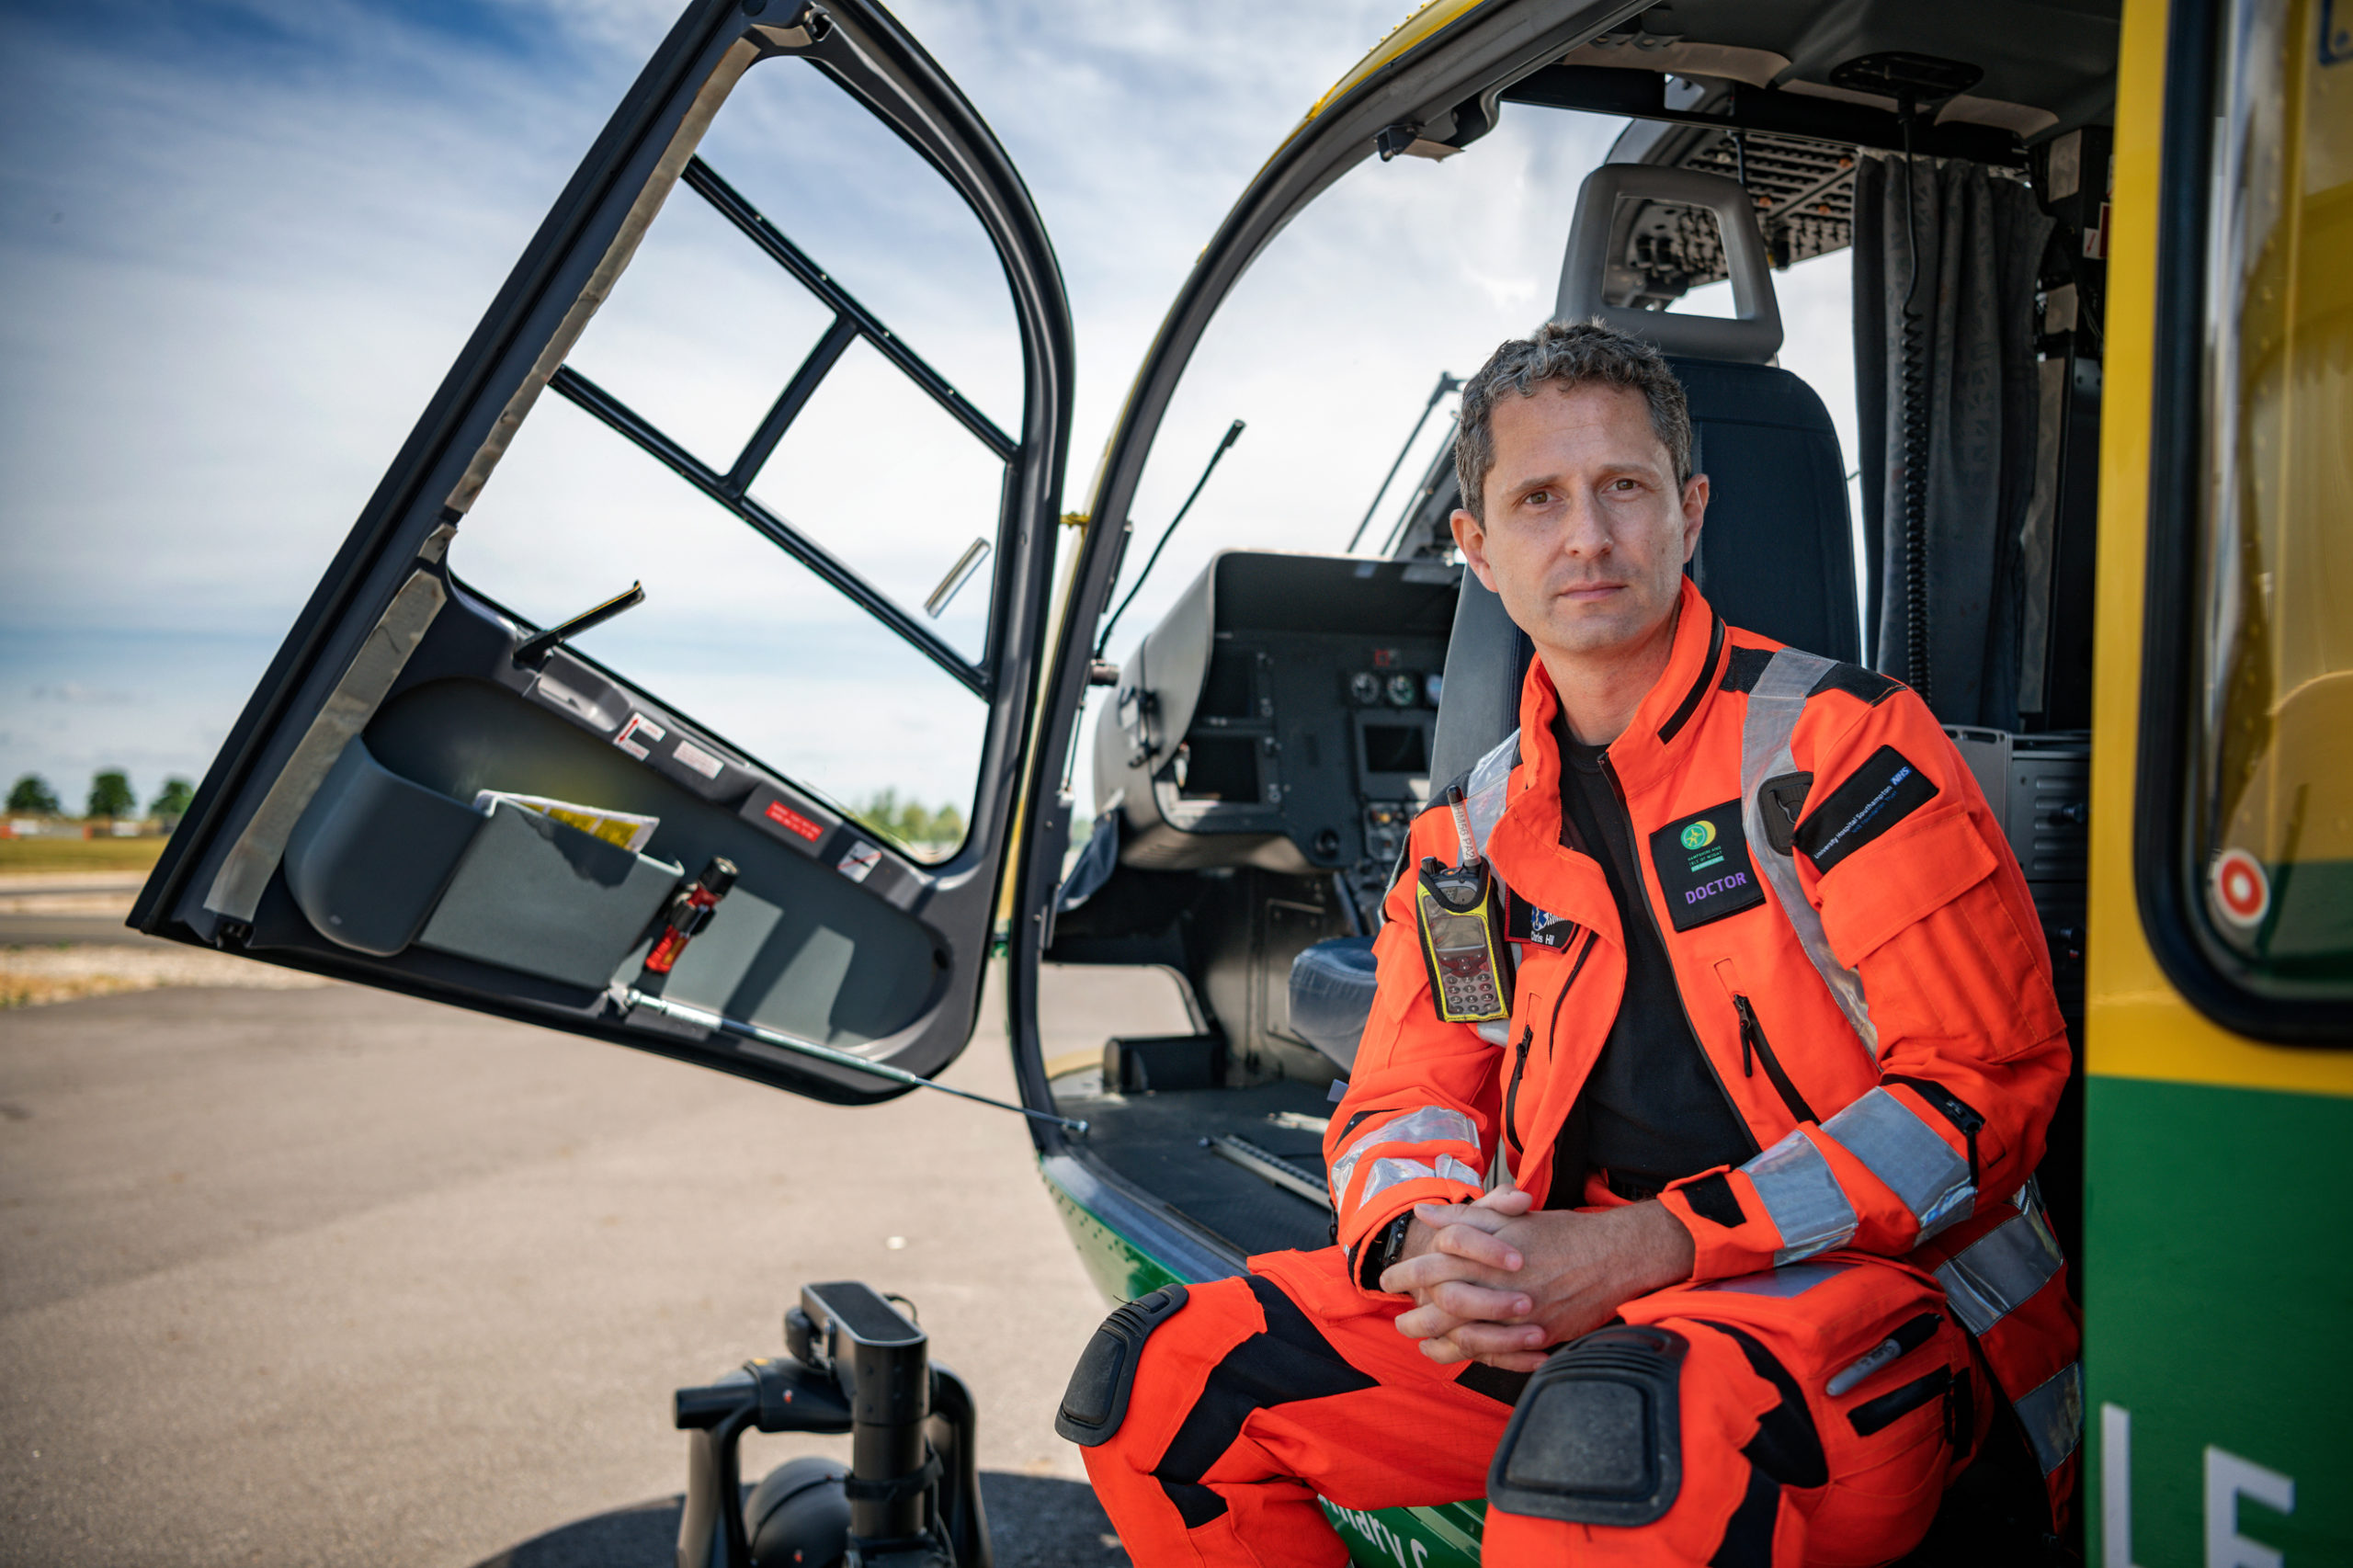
(535,650)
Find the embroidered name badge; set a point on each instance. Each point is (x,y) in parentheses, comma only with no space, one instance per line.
(1875,797)
(1525,923)
(1703,866)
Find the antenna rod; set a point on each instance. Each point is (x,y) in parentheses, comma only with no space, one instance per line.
(1446,384)
(1232,433)
(1441,469)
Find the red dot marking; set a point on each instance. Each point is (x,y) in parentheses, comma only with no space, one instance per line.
(2240,887)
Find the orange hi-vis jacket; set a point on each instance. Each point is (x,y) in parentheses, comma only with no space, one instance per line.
(1860,963)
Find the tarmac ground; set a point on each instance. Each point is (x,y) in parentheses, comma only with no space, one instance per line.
(326,1275)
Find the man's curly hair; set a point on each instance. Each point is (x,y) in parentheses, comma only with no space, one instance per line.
(1571,354)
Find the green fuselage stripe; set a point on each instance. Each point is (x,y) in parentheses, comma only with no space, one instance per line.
(2217,1292)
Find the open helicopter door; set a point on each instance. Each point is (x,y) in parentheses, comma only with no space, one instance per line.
(441,788)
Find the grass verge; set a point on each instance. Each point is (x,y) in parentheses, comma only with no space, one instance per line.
(80,854)
(35,977)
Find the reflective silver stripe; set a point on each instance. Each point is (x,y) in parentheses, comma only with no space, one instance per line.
(1802,1196)
(1452,1169)
(1342,1169)
(1998,1272)
(1774,706)
(1387,1171)
(1904,1152)
(2052,1414)
(1482,793)
(1427,1124)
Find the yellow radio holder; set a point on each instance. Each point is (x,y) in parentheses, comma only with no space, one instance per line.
(1460,910)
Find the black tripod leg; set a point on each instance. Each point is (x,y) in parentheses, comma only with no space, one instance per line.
(953,1429)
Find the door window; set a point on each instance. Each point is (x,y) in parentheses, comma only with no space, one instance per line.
(764,426)
(735,633)
(2263,852)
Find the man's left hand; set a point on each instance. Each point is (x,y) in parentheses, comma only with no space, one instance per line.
(1577,1269)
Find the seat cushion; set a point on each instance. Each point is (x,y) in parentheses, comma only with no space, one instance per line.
(1331,996)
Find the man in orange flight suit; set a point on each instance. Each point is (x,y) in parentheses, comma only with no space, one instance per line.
(1722,1247)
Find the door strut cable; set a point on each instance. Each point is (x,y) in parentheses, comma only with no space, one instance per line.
(630,998)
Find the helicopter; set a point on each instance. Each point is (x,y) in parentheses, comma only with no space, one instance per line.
(436,788)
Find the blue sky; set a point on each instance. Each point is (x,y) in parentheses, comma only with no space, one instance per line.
(242,241)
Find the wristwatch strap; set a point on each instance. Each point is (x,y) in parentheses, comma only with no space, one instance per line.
(1381,1249)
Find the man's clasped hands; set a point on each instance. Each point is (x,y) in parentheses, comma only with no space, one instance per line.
(1498,1279)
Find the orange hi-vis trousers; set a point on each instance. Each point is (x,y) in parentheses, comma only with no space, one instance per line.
(1267,1392)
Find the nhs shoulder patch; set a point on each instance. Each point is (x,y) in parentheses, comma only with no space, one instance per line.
(1874,798)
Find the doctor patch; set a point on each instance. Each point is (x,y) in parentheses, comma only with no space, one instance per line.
(1703,866)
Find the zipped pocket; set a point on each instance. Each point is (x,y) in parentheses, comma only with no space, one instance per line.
(1511,1095)
(1754,1046)
(1528,1039)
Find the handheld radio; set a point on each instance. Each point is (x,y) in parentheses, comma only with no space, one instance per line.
(1460,911)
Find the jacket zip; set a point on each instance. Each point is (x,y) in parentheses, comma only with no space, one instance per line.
(1642,892)
(1527,1038)
(1511,1095)
(1752,1035)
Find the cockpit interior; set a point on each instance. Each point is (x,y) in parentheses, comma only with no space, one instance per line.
(1267,741)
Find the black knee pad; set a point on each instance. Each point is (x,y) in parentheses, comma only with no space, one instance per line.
(1596,1440)
(1097,1401)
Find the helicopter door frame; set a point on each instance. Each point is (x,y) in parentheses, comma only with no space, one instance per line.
(388,584)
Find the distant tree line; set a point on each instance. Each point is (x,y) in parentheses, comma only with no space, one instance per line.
(909,823)
(110,797)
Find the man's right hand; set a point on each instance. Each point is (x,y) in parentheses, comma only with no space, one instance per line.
(1461,1283)
(1578,1267)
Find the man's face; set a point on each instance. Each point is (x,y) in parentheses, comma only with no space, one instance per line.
(1586,530)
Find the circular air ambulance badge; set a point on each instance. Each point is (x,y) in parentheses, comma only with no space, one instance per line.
(2241,890)
(1699,835)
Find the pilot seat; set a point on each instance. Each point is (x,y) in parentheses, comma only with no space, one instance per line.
(1777,554)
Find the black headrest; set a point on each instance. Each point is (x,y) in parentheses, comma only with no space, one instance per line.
(1607,204)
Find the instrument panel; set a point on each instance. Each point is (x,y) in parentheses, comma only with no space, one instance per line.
(1304,743)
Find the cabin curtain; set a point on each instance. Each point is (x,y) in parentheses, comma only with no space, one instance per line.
(1981,238)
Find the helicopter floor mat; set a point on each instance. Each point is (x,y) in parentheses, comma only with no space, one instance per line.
(1160,1141)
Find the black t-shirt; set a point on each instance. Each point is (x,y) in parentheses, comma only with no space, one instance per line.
(1651,1111)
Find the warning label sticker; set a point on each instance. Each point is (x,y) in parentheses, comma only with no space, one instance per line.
(692,755)
(792,821)
(637,736)
(860,863)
